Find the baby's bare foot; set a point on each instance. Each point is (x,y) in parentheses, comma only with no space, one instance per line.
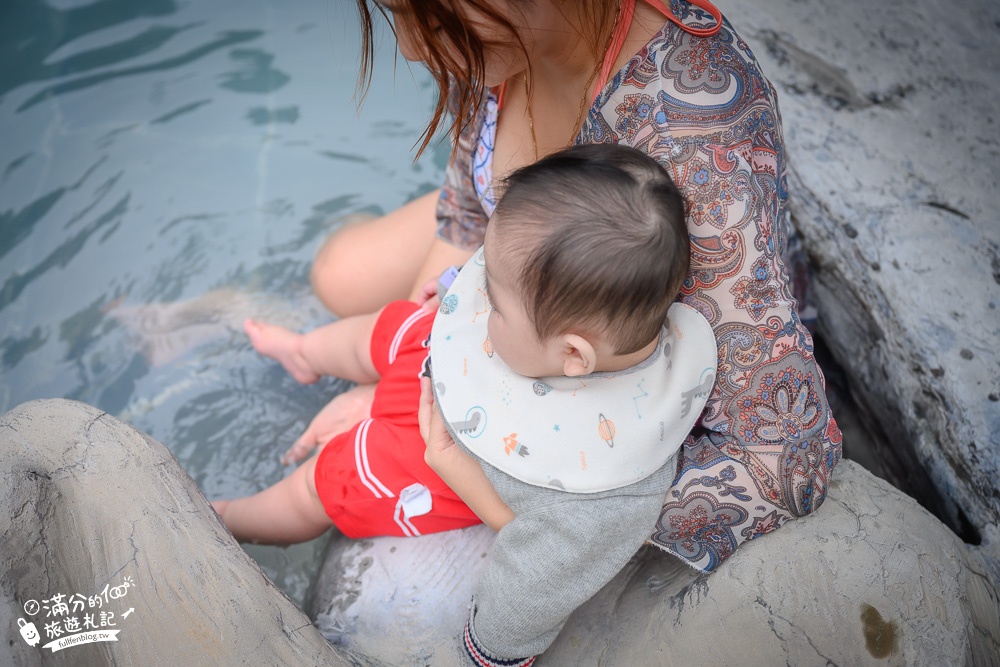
(283,346)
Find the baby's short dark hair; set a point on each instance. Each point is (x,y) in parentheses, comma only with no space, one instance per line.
(599,234)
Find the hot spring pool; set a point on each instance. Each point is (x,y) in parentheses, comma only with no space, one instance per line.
(166,170)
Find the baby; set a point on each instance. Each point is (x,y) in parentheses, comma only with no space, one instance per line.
(564,380)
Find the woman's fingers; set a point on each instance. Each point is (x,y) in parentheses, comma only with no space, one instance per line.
(336,417)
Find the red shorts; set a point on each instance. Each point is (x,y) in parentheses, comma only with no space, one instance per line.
(372,480)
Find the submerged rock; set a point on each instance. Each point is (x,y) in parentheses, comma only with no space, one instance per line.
(164,332)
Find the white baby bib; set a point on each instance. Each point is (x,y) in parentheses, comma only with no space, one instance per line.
(581,435)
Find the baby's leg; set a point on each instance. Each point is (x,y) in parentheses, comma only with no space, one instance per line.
(286,513)
(341,349)
(282,345)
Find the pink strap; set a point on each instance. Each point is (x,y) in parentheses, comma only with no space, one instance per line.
(697,32)
(501,92)
(624,22)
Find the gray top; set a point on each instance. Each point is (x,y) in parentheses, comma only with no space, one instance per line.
(558,551)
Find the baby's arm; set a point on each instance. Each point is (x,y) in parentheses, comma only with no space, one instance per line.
(458,470)
(465,477)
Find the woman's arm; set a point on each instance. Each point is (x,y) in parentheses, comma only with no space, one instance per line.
(461,219)
(766,443)
(458,470)
(440,256)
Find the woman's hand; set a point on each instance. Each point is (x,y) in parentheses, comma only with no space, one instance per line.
(338,416)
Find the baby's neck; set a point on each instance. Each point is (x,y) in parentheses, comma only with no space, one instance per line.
(619,362)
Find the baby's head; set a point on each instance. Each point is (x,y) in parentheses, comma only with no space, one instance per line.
(584,254)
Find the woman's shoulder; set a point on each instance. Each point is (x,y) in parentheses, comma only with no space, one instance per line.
(693,85)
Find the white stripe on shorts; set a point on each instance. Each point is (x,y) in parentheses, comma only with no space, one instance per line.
(400,518)
(361,462)
(397,340)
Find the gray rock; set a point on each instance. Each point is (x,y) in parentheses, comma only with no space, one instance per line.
(890,118)
(401,600)
(872,579)
(90,502)
(86,502)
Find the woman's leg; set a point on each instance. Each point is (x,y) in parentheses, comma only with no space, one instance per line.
(365,265)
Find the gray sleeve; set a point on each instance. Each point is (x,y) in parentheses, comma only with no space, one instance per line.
(559,551)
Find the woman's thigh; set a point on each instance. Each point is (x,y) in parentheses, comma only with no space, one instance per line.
(365,265)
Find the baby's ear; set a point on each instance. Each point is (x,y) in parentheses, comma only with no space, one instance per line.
(579,356)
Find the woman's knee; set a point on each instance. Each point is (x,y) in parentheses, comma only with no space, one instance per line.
(345,274)
(365,264)
(330,270)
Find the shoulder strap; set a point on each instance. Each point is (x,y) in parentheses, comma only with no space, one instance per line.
(697,32)
(500,92)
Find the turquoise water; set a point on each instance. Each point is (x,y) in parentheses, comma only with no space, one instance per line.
(166,170)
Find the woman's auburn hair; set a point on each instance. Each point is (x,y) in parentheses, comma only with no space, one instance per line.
(440,23)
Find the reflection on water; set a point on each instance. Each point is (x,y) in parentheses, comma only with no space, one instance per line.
(166,170)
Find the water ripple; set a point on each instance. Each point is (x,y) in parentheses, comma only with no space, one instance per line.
(228,39)
(61,256)
(31,32)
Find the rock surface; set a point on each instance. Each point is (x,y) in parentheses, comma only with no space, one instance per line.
(401,600)
(890,119)
(90,502)
(86,501)
(872,579)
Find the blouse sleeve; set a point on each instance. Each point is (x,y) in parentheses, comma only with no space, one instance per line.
(764,448)
(460,215)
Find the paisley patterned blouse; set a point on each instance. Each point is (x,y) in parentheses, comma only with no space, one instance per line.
(764,448)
